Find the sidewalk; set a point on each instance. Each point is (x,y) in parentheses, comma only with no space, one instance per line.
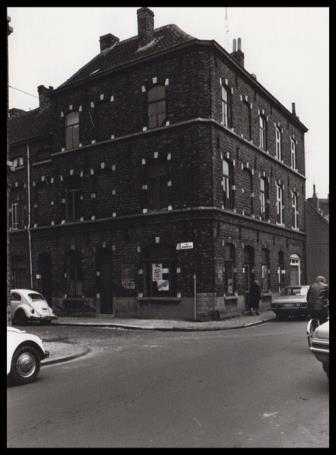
(61,351)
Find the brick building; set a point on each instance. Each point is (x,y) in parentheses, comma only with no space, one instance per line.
(159,168)
(317,237)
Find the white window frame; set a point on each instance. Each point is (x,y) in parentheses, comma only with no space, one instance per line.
(262,132)
(225,106)
(295,210)
(293,154)
(279,204)
(262,196)
(278,144)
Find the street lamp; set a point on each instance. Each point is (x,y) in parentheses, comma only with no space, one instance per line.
(9,31)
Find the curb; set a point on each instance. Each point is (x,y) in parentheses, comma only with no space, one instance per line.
(66,358)
(164,329)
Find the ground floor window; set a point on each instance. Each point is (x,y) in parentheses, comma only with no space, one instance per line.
(229,269)
(160,271)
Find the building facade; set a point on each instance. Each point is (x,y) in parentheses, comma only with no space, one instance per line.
(159,181)
(317,237)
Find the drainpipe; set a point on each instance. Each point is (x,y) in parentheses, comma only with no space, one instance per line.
(29,221)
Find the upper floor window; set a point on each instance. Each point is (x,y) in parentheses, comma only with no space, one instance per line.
(278,144)
(72,130)
(156,106)
(17,209)
(226,107)
(227,185)
(293,154)
(247,117)
(279,204)
(73,199)
(157,185)
(262,132)
(295,210)
(18,162)
(264,198)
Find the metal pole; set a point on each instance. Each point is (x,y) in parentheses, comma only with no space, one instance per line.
(29,221)
(9,275)
(195,297)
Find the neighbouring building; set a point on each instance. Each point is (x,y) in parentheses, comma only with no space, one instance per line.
(317,237)
(158,181)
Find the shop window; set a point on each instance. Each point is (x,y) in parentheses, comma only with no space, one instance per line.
(160,271)
(156,106)
(229,269)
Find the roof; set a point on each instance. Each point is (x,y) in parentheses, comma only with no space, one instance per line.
(127,51)
(29,125)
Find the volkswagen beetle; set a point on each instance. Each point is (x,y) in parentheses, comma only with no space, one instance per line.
(29,305)
(24,354)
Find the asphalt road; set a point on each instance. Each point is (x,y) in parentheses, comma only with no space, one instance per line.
(252,387)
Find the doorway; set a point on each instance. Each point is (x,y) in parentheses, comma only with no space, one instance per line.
(105,281)
(45,269)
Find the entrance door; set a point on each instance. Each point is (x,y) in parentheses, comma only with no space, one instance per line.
(294,270)
(105,286)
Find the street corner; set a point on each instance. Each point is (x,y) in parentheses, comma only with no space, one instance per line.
(63,351)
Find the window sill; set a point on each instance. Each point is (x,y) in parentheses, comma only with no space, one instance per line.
(167,299)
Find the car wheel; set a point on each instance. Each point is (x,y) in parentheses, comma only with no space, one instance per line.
(25,365)
(20,318)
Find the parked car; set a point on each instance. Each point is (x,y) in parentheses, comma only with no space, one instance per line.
(292,301)
(320,345)
(24,354)
(27,305)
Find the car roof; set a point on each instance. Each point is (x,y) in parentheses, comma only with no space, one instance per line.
(24,291)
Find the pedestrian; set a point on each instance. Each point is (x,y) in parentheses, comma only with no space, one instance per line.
(254,297)
(318,299)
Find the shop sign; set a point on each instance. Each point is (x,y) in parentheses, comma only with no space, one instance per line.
(185,246)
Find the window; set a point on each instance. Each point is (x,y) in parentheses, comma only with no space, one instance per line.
(248,267)
(279,204)
(278,144)
(227,185)
(17,210)
(229,269)
(156,106)
(157,185)
(74,276)
(73,200)
(247,115)
(160,271)
(247,195)
(72,130)
(41,215)
(264,198)
(20,274)
(295,270)
(226,107)
(293,154)
(295,211)
(262,132)
(281,270)
(265,270)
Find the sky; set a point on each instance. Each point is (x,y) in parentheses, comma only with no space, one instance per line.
(286,47)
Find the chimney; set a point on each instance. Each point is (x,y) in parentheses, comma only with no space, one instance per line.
(107,41)
(315,200)
(145,26)
(44,95)
(293,109)
(237,53)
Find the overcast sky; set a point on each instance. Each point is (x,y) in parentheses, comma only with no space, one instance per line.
(287,48)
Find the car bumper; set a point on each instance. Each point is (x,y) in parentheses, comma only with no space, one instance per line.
(292,310)
(34,317)
(46,354)
(320,349)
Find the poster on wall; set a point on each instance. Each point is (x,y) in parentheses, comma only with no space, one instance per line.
(127,277)
(157,276)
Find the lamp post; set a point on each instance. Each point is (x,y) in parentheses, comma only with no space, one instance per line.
(9,31)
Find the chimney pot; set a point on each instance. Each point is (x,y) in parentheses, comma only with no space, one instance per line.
(237,53)
(234,45)
(145,26)
(239,44)
(293,109)
(107,41)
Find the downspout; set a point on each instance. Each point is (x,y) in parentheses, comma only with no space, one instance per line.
(29,221)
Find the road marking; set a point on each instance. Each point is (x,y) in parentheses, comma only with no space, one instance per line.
(270,414)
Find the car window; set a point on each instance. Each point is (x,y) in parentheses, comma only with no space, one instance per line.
(36,296)
(296,291)
(15,296)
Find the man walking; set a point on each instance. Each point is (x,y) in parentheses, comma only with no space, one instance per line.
(254,297)
(318,299)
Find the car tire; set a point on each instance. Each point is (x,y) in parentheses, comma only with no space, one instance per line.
(20,318)
(25,365)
